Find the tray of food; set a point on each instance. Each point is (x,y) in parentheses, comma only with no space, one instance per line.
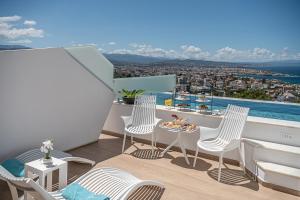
(179,124)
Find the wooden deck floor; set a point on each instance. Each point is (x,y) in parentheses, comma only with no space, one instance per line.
(182,182)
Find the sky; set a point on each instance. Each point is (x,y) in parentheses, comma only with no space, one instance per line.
(225,30)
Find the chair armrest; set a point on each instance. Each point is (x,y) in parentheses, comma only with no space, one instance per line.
(79,159)
(233,144)
(208,133)
(157,120)
(127,120)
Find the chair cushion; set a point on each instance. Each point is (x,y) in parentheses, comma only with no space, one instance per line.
(14,166)
(77,192)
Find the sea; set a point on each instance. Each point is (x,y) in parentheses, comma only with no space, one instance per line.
(291,74)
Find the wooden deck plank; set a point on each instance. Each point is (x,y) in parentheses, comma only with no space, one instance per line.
(181,181)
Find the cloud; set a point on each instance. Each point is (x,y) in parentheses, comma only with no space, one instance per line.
(122,51)
(29,22)
(146,50)
(112,43)
(10,32)
(25,41)
(193,52)
(4,25)
(135,45)
(10,18)
(74,44)
(22,32)
(227,53)
(231,54)
(261,53)
(297,56)
(284,53)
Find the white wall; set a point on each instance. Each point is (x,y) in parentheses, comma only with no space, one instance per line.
(44,94)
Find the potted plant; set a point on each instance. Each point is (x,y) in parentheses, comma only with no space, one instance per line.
(46,148)
(129,95)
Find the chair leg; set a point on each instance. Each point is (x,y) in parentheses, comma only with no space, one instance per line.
(124,140)
(220,166)
(131,138)
(152,141)
(242,163)
(13,191)
(196,156)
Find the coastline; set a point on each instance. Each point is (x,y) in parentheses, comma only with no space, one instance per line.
(288,74)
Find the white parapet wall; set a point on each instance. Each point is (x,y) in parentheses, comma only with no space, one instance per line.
(272,130)
(48,94)
(262,129)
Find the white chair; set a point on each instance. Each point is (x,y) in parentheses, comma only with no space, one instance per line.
(111,182)
(35,154)
(142,120)
(226,137)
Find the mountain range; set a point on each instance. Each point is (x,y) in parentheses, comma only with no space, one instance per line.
(12,47)
(138,59)
(123,59)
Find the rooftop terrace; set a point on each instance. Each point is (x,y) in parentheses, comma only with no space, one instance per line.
(181,181)
(63,94)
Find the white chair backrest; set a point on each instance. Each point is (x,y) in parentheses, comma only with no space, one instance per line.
(233,123)
(143,112)
(28,156)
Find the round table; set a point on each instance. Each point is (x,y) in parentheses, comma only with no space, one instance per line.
(178,140)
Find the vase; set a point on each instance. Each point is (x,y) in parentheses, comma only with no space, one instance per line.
(47,160)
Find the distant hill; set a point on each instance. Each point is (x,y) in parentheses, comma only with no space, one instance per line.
(130,58)
(12,47)
(119,59)
(199,63)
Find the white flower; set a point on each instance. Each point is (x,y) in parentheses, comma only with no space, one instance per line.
(44,150)
(46,146)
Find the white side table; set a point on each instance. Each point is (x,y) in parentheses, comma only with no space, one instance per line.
(178,140)
(42,170)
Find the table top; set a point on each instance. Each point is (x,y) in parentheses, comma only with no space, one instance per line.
(43,167)
(178,130)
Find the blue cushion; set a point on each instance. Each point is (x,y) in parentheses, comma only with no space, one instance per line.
(14,166)
(77,192)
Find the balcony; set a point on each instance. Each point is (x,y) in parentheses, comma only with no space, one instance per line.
(79,102)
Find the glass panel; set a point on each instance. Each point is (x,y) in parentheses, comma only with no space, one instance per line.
(94,62)
(149,84)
